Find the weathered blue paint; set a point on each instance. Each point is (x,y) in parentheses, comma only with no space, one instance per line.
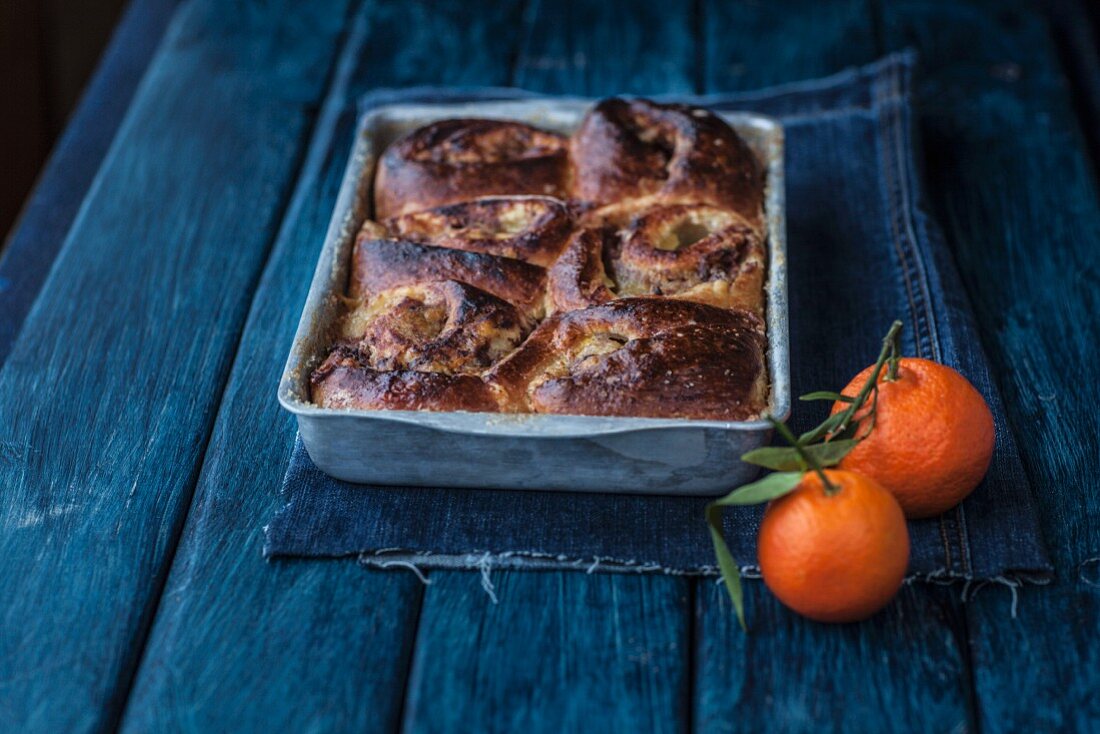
(98,456)
(63,182)
(1016,192)
(905,669)
(307,646)
(109,392)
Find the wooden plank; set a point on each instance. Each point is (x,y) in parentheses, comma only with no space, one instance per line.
(578,47)
(244,645)
(107,396)
(903,670)
(1013,186)
(64,180)
(560,651)
(620,639)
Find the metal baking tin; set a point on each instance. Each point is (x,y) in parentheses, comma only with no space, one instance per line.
(528,451)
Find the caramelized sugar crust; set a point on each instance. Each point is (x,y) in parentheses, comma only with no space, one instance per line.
(380,265)
(641,236)
(651,357)
(346,380)
(529,228)
(664,153)
(458,160)
(692,252)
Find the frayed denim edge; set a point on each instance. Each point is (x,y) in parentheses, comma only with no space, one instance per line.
(484,562)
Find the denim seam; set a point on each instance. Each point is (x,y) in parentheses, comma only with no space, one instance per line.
(907,180)
(905,153)
(914,274)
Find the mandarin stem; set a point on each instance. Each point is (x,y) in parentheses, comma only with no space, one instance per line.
(889,344)
(895,351)
(806,456)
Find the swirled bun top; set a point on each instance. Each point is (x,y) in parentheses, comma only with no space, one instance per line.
(638,243)
(684,251)
(640,357)
(459,160)
(666,153)
(380,264)
(529,228)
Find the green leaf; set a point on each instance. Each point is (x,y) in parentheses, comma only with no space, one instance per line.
(770,487)
(827,395)
(786,458)
(731,574)
(762,490)
(829,454)
(776,458)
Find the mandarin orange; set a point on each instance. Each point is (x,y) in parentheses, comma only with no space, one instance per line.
(932,437)
(834,557)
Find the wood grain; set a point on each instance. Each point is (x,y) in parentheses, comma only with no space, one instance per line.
(64,180)
(90,512)
(560,651)
(1008,170)
(748,44)
(111,387)
(614,646)
(575,47)
(301,645)
(904,669)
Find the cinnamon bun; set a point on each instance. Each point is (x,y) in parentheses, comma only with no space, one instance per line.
(640,357)
(529,228)
(412,339)
(630,150)
(346,380)
(459,160)
(691,252)
(380,264)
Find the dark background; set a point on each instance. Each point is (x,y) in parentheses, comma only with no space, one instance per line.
(48,49)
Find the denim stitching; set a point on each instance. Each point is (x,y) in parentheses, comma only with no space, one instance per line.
(905,156)
(893,159)
(906,211)
(887,171)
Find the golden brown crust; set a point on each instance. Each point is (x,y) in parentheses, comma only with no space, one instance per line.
(655,281)
(640,357)
(579,278)
(529,228)
(447,327)
(664,153)
(380,265)
(346,380)
(458,160)
(692,252)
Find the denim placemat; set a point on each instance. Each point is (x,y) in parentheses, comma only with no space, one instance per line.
(862,251)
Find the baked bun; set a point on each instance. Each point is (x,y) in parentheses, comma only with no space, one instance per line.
(529,228)
(458,160)
(626,150)
(346,380)
(640,357)
(447,326)
(692,252)
(420,347)
(380,265)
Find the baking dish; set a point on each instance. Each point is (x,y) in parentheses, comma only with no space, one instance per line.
(523,451)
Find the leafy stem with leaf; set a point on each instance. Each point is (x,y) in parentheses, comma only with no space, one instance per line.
(823,446)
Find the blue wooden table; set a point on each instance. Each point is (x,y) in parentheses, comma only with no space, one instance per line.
(149,294)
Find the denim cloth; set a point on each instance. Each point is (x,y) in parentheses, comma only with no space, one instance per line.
(862,252)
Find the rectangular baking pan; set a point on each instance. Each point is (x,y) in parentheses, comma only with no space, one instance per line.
(528,451)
